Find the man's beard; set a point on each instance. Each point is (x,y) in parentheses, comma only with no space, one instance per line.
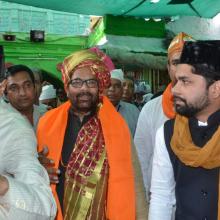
(190,110)
(94,100)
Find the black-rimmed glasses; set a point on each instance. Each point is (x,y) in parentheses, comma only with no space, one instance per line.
(78,83)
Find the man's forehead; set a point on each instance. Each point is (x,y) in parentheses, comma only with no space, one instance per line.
(19,77)
(20,82)
(175,56)
(115,81)
(183,70)
(83,73)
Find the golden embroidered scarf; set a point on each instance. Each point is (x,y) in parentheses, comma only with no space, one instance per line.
(51,132)
(207,157)
(167,102)
(182,145)
(86,175)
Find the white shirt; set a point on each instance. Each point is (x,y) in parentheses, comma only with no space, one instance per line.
(150,119)
(163,199)
(37,113)
(29,196)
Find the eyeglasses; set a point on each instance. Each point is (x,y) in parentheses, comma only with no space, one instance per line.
(78,83)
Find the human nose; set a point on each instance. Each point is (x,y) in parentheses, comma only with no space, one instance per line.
(111,88)
(175,89)
(125,88)
(84,85)
(21,91)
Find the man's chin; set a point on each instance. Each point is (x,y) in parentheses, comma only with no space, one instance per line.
(185,112)
(85,107)
(23,108)
(125,98)
(178,109)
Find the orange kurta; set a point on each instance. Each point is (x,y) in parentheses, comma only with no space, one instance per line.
(121,191)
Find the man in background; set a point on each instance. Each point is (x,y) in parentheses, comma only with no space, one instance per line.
(38,80)
(128,111)
(48,96)
(142,94)
(61,96)
(128,90)
(156,112)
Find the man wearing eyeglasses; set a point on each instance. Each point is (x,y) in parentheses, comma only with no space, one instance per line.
(90,146)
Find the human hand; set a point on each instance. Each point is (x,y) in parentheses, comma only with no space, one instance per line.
(49,165)
(4,185)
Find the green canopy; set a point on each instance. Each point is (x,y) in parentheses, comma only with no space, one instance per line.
(139,8)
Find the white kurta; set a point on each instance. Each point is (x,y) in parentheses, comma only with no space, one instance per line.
(29,196)
(150,119)
(163,199)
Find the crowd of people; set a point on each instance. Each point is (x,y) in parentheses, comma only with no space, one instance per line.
(102,149)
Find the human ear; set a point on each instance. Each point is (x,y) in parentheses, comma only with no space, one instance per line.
(215,89)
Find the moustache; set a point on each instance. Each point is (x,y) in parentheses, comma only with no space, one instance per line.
(176,98)
(84,94)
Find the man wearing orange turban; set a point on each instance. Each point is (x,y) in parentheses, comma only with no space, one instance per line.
(156,112)
(91,145)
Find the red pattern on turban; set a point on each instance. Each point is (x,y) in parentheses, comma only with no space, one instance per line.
(106,59)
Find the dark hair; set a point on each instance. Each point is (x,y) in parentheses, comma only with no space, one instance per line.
(204,57)
(13,70)
(204,70)
(38,72)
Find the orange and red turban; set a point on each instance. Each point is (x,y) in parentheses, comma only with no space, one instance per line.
(106,59)
(177,43)
(86,58)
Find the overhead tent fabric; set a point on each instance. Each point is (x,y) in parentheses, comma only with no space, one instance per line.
(131,41)
(138,8)
(142,42)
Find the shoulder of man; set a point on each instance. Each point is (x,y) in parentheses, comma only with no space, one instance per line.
(12,120)
(131,106)
(153,105)
(53,113)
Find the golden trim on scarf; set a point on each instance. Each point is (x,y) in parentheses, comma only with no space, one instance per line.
(182,145)
(87,175)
